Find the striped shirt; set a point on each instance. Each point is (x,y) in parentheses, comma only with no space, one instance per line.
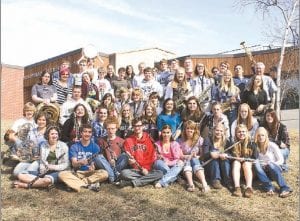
(62,92)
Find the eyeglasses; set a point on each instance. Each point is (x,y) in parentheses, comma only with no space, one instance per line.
(65,74)
(82,64)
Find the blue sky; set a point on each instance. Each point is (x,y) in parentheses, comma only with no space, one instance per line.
(34,30)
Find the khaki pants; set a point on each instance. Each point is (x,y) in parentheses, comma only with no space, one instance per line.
(79,179)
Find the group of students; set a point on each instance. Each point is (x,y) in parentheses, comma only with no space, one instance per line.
(208,127)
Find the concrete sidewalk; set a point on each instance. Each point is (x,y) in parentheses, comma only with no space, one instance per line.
(290,118)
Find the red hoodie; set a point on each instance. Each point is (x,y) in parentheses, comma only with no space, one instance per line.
(142,150)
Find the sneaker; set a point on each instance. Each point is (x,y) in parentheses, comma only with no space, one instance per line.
(123,183)
(158,185)
(248,192)
(285,193)
(237,192)
(94,187)
(270,193)
(216,184)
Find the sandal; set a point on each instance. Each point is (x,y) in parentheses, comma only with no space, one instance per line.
(205,189)
(285,194)
(191,188)
(270,193)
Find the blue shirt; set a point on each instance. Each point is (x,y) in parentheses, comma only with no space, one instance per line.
(172,120)
(78,151)
(98,131)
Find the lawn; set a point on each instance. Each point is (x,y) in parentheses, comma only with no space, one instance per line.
(147,203)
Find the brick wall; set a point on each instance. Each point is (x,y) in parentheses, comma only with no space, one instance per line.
(11,91)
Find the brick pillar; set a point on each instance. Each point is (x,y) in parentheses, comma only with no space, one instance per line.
(12,100)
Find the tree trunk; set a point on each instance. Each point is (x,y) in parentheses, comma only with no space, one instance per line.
(285,38)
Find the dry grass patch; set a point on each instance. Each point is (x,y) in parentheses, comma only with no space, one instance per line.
(147,203)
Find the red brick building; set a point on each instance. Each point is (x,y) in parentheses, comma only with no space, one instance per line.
(12,84)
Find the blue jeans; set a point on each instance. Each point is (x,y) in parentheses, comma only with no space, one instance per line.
(268,173)
(285,152)
(231,115)
(192,165)
(113,172)
(23,167)
(170,173)
(219,170)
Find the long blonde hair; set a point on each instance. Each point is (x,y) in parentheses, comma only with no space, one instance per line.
(230,87)
(249,119)
(175,82)
(223,139)
(242,149)
(191,124)
(262,147)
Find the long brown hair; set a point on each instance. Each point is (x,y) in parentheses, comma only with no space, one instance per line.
(153,117)
(187,115)
(241,149)
(166,126)
(273,128)
(205,73)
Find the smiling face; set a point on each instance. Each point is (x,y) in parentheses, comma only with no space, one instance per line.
(241,133)
(219,131)
(227,76)
(261,135)
(126,111)
(53,136)
(138,128)
(149,111)
(148,75)
(136,97)
(192,105)
(102,114)
(223,67)
(80,111)
(166,134)
(259,68)
(29,114)
(169,106)
(189,131)
(180,75)
(269,118)
(41,122)
(86,134)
